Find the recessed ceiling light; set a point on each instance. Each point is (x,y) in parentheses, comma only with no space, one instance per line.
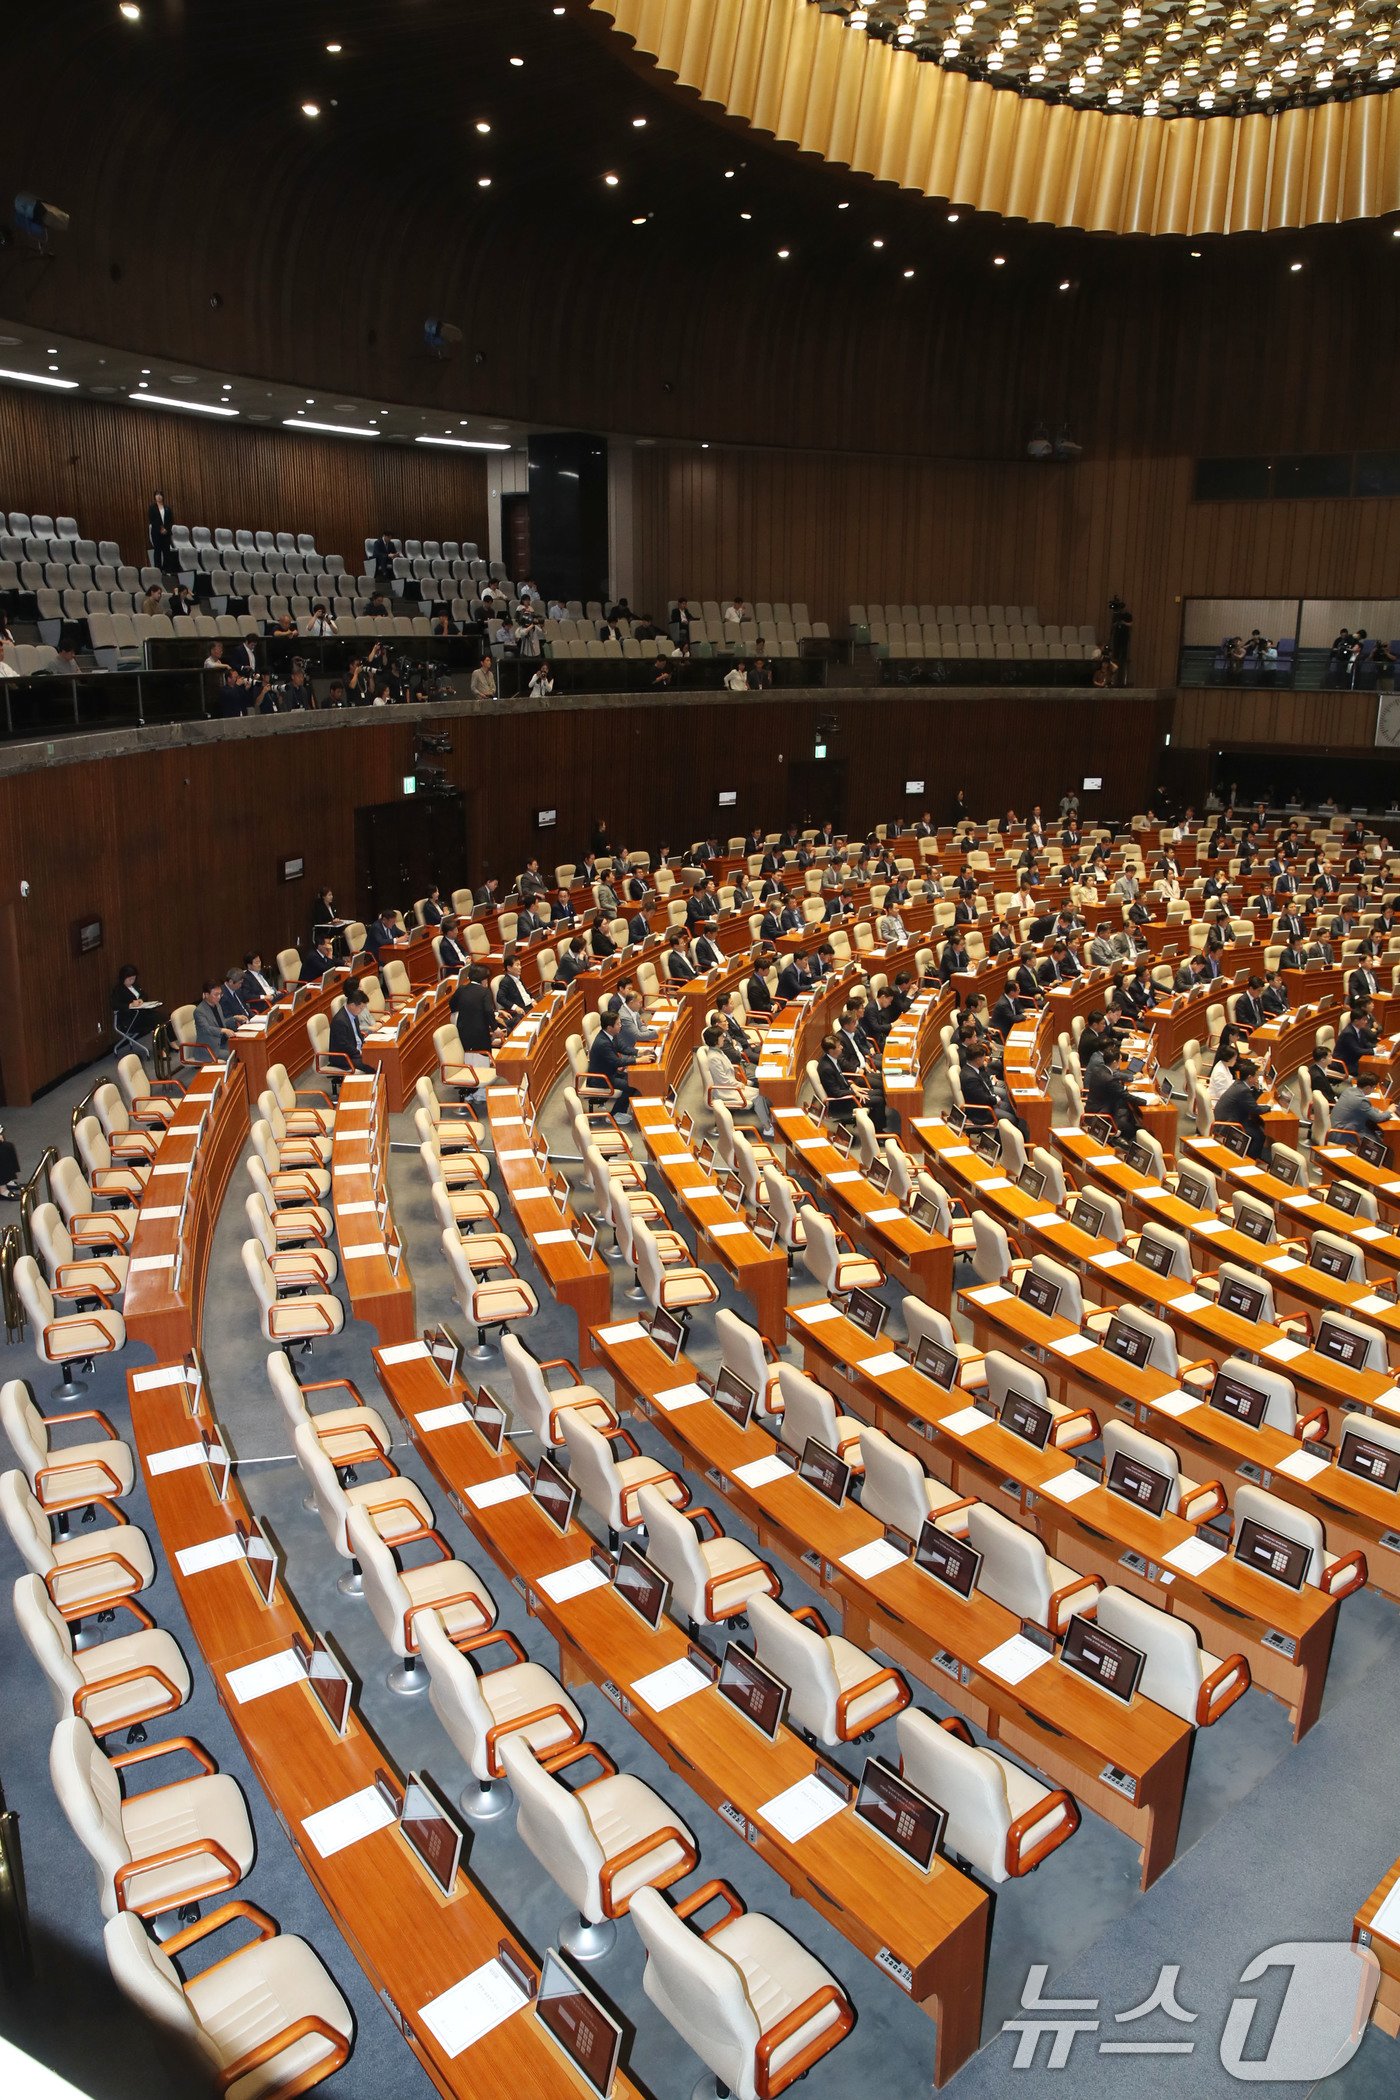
(335,49)
(843,207)
(1064,284)
(311,109)
(729,174)
(311,400)
(611,181)
(639,123)
(952,218)
(145,371)
(517,61)
(1395,233)
(1295,267)
(641,221)
(877,243)
(704,444)
(746,215)
(130,10)
(53,368)
(483,127)
(783,254)
(1196,254)
(483,182)
(198,408)
(999,261)
(909,273)
(52,350)
(300,421)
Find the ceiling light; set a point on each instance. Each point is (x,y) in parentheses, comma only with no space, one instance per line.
(303,422)
(311,109)
(1114,95)
(1064,284)
(877,243)
(999,261)
(952,218)
(611,181)
(1150,105)
(1076,83)
(704,444)
(783,254)
(746,215)
(200,408)
(641,221)
(909,273)
(729,174)
(858,18)
(517,61)
(130,10)
(335,49)
(843,206)
(639,123)
(483,127)
(37,379)
(1295,268)
(1195,255)
(460,444)
(995,60)
(483,182)
(1035,72)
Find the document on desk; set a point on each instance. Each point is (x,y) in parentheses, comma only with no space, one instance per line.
(813,1315)
(675,1159)
(1113,1259)
(487,1493)
(996,1181)
(1303,1465)
(448,1416)
(553,1239)
(1042,1218)
(1208,1228)
(150,1261)
(801,1809)
(1283,1351)
(1193,1556)
(255,1680)
(1371,1303)
(669,1685)
(1175,1404)
(403,1352)
(883,1216)
(876,1558)
(1149,1188)
(967,1421)
(627,1331)
(213,1553)
(164,1210)
(1188,1302)
(1073,1344)
(762,1472)
(572,1582)
(674,1396)
(1281,1264)
(175,1460)
(168,1374)
(1014,1660)
(846,1174)
(728,1230)
(1069,1485)
(472,2008)
(346,1822)
(989,1294)
(880,1366)
(812,1144)
(1387,1918)
(356,1210)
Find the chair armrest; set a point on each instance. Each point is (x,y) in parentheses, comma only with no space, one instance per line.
(792,2023)
(626,1439)
(190,1936)
(147,1674)
(752,1566)
(194,1848)
(142,1618)
(900,1697)
(109,1559)
(1072,1589)
(712,1892)
(810,1616)
(570,1754)
(956,1725)
(1024,1863)
(1233,1672)
(82,1465)
(1312,1425)
(668,1834)
(1201,1511)
(1345,1575)
(1075,1416)
(145,1752)
(62,1288)
(561,1363)
(438,1604)
(493,1636)
(336,1385)
(519,1723)
(81,1414)
(286,2038)
(705,1517)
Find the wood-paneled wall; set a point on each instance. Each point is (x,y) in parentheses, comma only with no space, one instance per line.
(100,464)
(1215,718)
(178,851)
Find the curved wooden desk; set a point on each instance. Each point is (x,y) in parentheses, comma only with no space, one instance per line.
(581,1281)
(174,1230)
(377,1281)
(919,1260)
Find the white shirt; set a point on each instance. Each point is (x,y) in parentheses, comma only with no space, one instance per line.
(542,682)
(736,681)
(1220,1077)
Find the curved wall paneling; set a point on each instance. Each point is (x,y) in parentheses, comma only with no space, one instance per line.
(179,849)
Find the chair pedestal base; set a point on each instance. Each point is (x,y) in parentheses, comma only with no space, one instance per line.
(635,1293)
(352,1583)
(406,1678)
(484,1803)
(589,1942)
(709,2088)
(69,1387)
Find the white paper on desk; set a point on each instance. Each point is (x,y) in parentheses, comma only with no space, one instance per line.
(675,1159)
(883,1217)
(801,1809)
(663,1129)
(1189,1301)
(449,1416)
(1392,1188)
(873,1559)
(1248,1173)
(1370,1304)
(675,1396)
(1113,1259)
(176,1460)
(1283,1351)
(628,1331)
(1073,1344)
(727,1230)
(487,1493)
(150,1261)
(701,1188)
(254,1680)
(472,2008)
(1209,1227)
(1103,1159)
(214,1553)
(989,1294)
(768,1071)
(1068,1486)
(403,1352)
(846,1174)
(813,1315)
(957,1152)
(183,1167)
(761,1472)
(780,1035)
(1175,1404)
(521,1152)
(995,1181)
(1387,1918)
(1149,1188)
(966,1421)
(357,1166)
(353,1108)
(880,1366)
(553,1239)
(1303,1203)
(669,1685)
(165,1210)
(355,1210)
(362,1253)
(576,1581)
(1362,1232)
(812,1144)
(168,1374)
(345,1822)
(1014,1660)
(531,1196)
(1193,1556)
(1041,1219)
(1282,1263)
(1303,1465)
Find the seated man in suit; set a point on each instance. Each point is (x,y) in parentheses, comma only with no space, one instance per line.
(1102,954)
(1005,1014)
(257,989)
(981,1098)
(634,1029)
(953,958)
(473,1008)
(607,1061)
(638,929)
(531,883)
(790,918)
(680,962)
(878,1019)
(1357,1039)
(757,997)
(232,1004)
(862,1071)
(1352,1110)
(1239,1104)
(1023,983)
(385,930)
(527,923)
(1274,997)
(841,1092)
(512,998)
(320,959)
(562,913)
(771,925)
(705,953)
(210,1030)
(1105,1093)
(1055,967)
(735,1041)
(793,978)
(452,956)
(999,941)
(1249,1007)
(573,962)
(1363,983)
(348,1031)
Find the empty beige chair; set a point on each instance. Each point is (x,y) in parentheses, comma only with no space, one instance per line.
(543,1408)
(479,1710)
(471,1204)
(747,1997)
(925,1323)
(396,1596)
(488,1301)
(295,1184)
(1001,1820)
(712,1578)
(1196,1502)
(400,1511)
(350,1436)
(463,1074)
(600,1842)
(1007,1375)
(102,1276)
(68,1476)
(1336,1575)
(451,1141)
(92,1573)
(308,1267)
(119,1683)
(151,1102)
(67,1339)
(992,1258)
(899,1494)
(124,1181)
(309,1149)
(807,1410)
(459,1132)
(829,1258)
(677,1288)
(296,1220)
(608,1485)
(125,1141)
(92,1230)
(750,1356)
(288,1320)
(267,2018)
(157,1851)
(309,1111)
(1178,1673)
(1017,1571)
(838,1692)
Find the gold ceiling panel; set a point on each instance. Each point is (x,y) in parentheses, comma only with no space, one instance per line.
(788,68)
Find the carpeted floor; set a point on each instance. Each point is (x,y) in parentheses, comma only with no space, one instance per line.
(1278,1843)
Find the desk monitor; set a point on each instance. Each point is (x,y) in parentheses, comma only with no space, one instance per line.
(444,1348)
(879,1176)
(1256,1225)
(1102,1658)
(432,1831)
(1165,1091)
(641,1585)
(841,1139)
(1370,1148)
(490,1417)
(1128,1342)
(937,1363)
(736,1396)
(1340,1346)
(264,1560)
(217,1460)
(1027,1419)
(1369,1461)
(329,1680)
(824,1470)
(753,1691)
(866,1313)
(1346,1195)
(1102,1129)
(1089,1216)
(1242,1299)
(956,1119)
(575,2021)
(554,1494)
(1140,1159)
(987,1142)
(1193,1191)
(586,1233)
(1039,1293)
(897,1812)
(730,1186)
(1139,1484)
(667,1332)
(1282,1559)
(950,1561)
(1234,1138)
(765,1228)
(1155,1255)
(1285,1170)
(1235,1396)
(1031,1182)
(1337,1262)
(924,1211)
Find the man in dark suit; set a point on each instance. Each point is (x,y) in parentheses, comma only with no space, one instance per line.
(606,1061)
(680,962)
(1240,1104)
(1249,1009)
(790,918)
(771,924)
(793,979)
(532,883)
(383,933)
(999,941)
(1023,983)
(511,995)
(862,1073)
(1004,1015)
(1053,969)
(1356,1040)
(979,1097)
(1363,982)
(232,1004)
(757,997)
(836,1085)
(347,1030)
(474,1011)
(452,956)
(1274,997)
(953,958)
(1105,1093)
(320,959)
(1293,957)
(706,953)
(638,928)
(160,524)
(573,962)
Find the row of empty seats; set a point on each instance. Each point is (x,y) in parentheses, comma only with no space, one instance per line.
(946,615)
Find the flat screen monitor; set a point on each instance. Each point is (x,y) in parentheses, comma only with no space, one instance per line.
(554,1494)
(1242,1299)
(897,1812)
(956,1120)
(586,1233)
(841,1139)
(1257,1225)
(986,1141)
(753,1691)
(576,2023)
(765,1228)
(736,1396)
(1128,1342)
(1341,1346)
(879,1176)
(866,1312)
(667,1332)
(1337,1262)
(264,1560)
(1142,1485)
(217,1461)
(328,1678)
(1233,1138)
(950,1561)
(445,1350)
(1367,1460)
(937,1363)
(1282,1559)
(490,1417)
(1193,1191)
(1102,1658)
(1155,1255)
(730,1186)
(1031,1182)
(1140,1159)
(1346,1196)
(924,1211)
(1285,1170)
(1089,1216)
(1236,1397)
(433,1833)
(1370,1148)
(1102,1129)
(1039,1293)
(823,1470)
(641,1585)
(1027,1419)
